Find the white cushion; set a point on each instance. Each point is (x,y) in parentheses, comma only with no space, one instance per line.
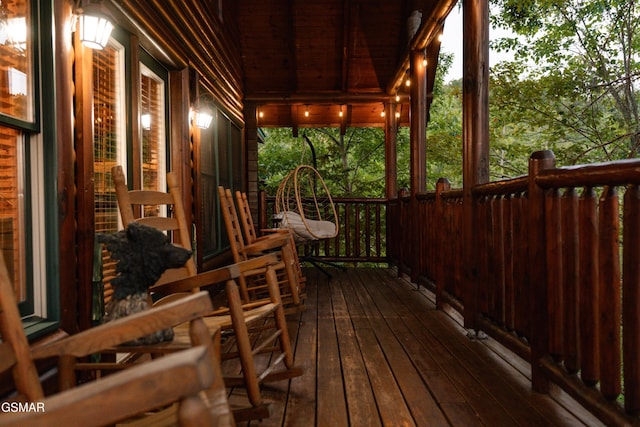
(307,229)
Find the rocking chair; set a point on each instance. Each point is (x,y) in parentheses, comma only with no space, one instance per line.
(238,318)
(290,275)
(180,377)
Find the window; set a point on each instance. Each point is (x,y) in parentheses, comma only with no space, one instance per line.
(109,133)
(152,124)
(16,67)
(109,140)
(220,164)
(142,156)
(21,165)
(12,210)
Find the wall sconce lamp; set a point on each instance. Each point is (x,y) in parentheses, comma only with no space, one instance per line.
(203,118)
(94,24)
(203,110)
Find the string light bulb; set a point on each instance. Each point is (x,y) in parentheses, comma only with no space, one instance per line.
(306,111)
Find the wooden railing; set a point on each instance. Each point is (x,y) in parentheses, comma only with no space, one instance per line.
(361,233)
(553,272)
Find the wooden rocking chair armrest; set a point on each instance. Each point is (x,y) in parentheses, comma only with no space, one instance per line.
(216,276)
(125,394)
(128,328)
(220,318)
(270,231)
(270,242)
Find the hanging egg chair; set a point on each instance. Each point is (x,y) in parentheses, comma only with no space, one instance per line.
(305,207)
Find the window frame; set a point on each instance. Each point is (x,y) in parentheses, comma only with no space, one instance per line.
(41,200)
(36,11)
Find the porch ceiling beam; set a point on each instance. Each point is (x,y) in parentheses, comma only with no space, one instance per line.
(294,120)
(293,50)
(428,31)
(346,40)
(320,98)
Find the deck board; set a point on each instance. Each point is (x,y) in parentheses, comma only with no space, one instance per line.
(377,352)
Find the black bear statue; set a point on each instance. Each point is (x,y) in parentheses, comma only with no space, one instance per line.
(142,254)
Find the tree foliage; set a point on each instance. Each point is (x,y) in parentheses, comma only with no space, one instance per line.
(572,86)
(352,164)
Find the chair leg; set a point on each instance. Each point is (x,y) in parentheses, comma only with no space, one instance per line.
(294,280)
(243,343)
(281,322)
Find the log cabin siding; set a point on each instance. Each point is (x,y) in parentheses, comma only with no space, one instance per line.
(193,35)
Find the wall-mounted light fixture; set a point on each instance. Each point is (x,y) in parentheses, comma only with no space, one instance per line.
(202,112)
(93,24)
(306,111)
(203,118)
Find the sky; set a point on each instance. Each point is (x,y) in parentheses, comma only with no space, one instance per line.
(452,43)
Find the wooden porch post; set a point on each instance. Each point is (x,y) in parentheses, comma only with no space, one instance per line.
(251,155)
(72,272)
(539,314)
(390,163)
(390,151)
(475,138)
(418,150)
(418,110)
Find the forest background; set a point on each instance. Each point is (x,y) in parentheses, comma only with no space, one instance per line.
(571,87)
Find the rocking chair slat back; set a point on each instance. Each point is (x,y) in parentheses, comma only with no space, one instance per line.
(158,209)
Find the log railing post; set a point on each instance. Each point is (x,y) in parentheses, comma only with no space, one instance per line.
(400,239)
(539,316)
(631,292)
(442,239)
(262,210)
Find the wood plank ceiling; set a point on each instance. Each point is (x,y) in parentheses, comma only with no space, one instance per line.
(328,56)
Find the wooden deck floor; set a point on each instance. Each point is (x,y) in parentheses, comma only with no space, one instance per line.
(376,352)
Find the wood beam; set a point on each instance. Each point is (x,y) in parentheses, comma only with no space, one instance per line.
(319,98)
(418,142)
(293,52)
(429,29)
(475,138)
(294,120)
(346,40)
(390,151)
